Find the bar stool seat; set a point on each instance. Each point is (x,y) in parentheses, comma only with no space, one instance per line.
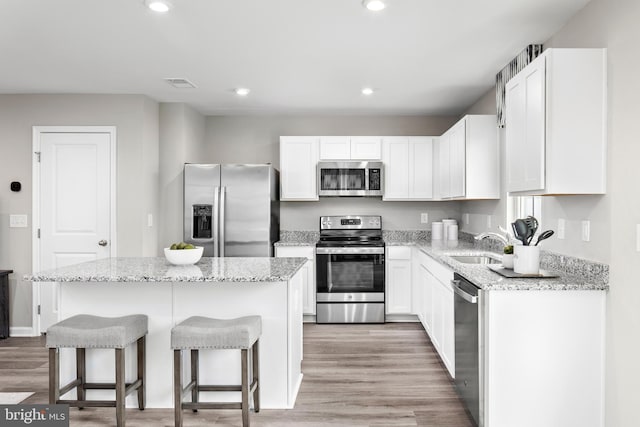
(200,333)
(86,331)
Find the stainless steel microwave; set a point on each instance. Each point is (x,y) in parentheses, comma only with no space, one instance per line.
(350,178)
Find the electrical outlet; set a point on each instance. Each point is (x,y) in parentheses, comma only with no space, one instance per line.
(586,231)
(638,237)
(489,222)
(466,219)
(18,221)
(424,218)
(561,225)
(149,220)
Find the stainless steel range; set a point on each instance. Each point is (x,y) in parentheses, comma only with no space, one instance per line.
(350,270)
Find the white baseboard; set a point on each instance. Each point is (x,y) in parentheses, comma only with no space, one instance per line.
(409,318)
(21,331)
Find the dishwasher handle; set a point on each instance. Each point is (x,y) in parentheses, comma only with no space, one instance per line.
(473,299)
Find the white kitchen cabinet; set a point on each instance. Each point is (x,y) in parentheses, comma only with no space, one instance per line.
(438,308)
(350,148)
(545,347)
(408,163)
(298,162)
(556,124)
(469,159)
(309,276)
(398,280)
(335,148)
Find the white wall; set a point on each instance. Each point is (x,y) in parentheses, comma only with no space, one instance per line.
(136,120)
(614,24)
(181,141)
(251,139)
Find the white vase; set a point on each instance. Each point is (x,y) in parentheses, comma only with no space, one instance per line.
(507,261)
(526,259)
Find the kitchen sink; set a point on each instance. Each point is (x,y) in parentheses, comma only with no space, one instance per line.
(475,259)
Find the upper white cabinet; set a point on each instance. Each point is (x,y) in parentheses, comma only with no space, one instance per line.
(350,148)
(298,160)
(556,124)
(408,163)
(469,159)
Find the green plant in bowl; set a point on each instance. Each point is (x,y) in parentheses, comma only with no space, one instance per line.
(508,250)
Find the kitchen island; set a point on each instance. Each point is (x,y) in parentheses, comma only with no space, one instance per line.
(214,287)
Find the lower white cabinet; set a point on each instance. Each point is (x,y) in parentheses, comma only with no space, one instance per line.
(398,280)
(309,276)
(436,307)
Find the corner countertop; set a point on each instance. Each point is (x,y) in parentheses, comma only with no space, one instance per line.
(591,276)
(159,270)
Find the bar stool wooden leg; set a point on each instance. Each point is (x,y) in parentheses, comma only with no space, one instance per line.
(54,376)
(255,358)
(141,350)
(245,388)
(194,376)
(120,387)
(80,373)
(177,386)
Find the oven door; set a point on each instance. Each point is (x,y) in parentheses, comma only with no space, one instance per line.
(346,274)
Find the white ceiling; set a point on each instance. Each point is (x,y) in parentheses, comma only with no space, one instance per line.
(432,57)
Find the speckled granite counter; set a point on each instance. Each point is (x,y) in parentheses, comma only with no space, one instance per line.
(589,276)
(159,270)
(298,238)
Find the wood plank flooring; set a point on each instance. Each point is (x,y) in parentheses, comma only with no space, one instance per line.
(354,375)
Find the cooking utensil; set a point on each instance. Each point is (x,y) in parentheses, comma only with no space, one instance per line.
(521,230)
(544,235)
(532,226)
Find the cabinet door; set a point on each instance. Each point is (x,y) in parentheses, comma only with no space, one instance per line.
(525,128)
(421,168)
(398,287)
(395,156)
(309,286)
(448,330)
(335,148)
(443,166)
(457,163)
(298,162)
(427,299)
(366,148)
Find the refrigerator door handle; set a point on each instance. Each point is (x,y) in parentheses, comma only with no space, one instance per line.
(223,201)
(216,220)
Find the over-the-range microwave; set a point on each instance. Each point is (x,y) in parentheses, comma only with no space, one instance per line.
(350,178)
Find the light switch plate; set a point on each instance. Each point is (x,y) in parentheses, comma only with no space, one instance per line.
(466,219)
(638,237)
(18,221)
(561,226)
(586,231)
(424,218)
(149,220)
(489,222)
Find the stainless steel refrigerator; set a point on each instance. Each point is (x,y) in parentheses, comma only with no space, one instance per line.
(232,210)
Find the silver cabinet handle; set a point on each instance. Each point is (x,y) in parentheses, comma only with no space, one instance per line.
(103,242)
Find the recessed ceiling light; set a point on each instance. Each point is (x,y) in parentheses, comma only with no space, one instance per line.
(159,5)
(242,91)
(367,91)
(374,5)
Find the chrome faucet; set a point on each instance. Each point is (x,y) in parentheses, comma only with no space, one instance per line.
(492,235)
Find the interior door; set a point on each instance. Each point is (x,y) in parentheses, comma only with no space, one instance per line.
(74,206)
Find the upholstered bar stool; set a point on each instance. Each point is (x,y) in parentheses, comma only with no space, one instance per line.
(199,333)
(86,331)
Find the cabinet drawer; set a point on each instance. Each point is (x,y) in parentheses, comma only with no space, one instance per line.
(439,271)
(295,252)
(399,252)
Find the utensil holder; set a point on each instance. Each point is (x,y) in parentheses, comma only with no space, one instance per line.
(526,259)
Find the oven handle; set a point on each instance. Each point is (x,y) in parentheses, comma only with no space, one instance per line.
(465,295)
(340,251)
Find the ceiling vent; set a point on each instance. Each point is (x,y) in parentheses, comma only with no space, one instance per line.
(180,83)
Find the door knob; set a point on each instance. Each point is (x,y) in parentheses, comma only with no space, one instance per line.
(102,243)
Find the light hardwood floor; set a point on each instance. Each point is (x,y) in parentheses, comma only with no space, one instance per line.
(354,375)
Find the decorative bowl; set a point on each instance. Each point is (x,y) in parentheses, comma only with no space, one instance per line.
(183,256)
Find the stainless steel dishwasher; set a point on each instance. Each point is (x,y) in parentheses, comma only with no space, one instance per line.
(467,303)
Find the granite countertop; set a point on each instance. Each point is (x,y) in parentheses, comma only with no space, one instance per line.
(589,275)
(159,270)
(298,238)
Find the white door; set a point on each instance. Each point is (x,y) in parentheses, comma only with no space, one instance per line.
(73,206)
